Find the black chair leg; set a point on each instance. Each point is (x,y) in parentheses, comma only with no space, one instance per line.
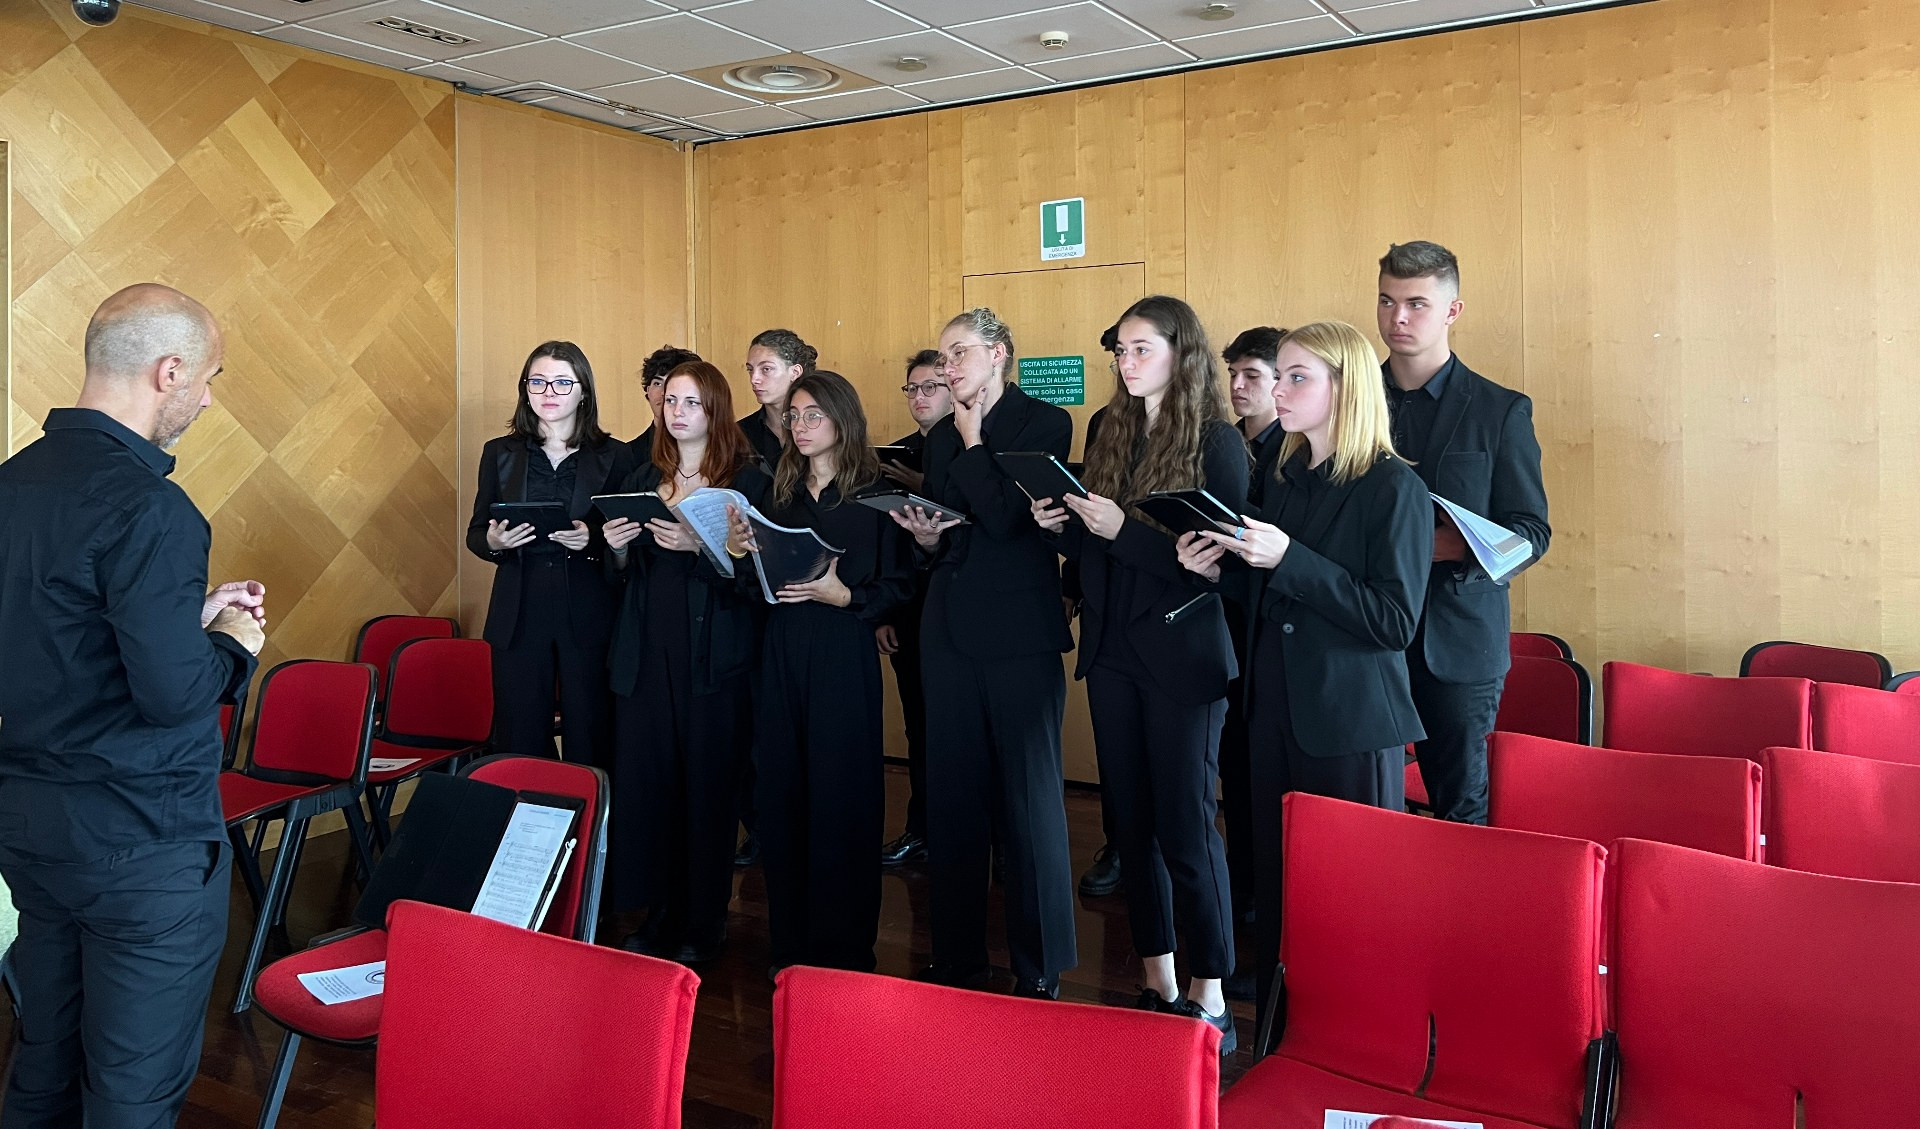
(379,817)
(277,1085)
(277,888)
(298,847)
(247,862)
(362,847)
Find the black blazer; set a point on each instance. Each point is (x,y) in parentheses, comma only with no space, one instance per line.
(998,576)
(1345,599)
(503,478)
(724,614)
(1482,454)
(905,616)
(764,440)
(1192,656)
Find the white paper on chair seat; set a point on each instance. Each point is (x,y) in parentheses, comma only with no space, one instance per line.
(344,985)
(391,764)
(1342,1119)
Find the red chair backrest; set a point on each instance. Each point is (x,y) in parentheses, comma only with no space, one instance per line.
(488,1025)
(576,904)
(1547,698)
(315,717)
(382,635)
(1398,930)
(1782,659)
(1908,683)
(1861,722)
(1650,710)
(1737,987)
(1537,645)
(1850,816)
(856,1051)
(1561,788)
(441,690)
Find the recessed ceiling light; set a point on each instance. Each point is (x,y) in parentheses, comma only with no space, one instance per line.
(910,63)
(1216,12)
(781,78)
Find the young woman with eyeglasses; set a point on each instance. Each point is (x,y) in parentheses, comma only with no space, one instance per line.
(552,606)
(820,797)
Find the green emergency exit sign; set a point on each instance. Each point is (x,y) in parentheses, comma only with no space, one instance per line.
(1063,229)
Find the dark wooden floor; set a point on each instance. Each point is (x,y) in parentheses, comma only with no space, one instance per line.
(730,1069)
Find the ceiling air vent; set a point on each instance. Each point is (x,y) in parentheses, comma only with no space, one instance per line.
(781,78)
(395,23)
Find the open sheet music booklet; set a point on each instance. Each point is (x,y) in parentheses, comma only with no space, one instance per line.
(1500,550)
(786,556)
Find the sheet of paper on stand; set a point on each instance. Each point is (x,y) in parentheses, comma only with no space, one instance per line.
(516,886)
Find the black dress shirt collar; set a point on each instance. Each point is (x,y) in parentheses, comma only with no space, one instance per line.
(60,419)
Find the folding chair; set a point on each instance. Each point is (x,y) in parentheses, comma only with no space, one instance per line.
(1862,722)
(1848,816)
(439,709)
(575,913)
(1779,658)
(1543,697)
(1741,991)
(1432,970)
(1908,683)
(382,635)
(856,1051)
(492,1027)
(1538,645)
(308,757)
(1650,710)
(1561,788)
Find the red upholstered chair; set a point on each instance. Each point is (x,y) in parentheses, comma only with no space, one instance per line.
(1850,816)
(1560,788)
(382,635)
(1543,697)
(1908,683)
(856,1051)
(1739,990)
(439,709)
(492,1027)
(308,757)
(1538,645)
(1650,710)
(574,914)
(1432,970)
(1861,722)
(1781,659)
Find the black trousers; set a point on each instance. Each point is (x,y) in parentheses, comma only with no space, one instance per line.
(913,708)
(675,774)
(115,961)
(993,763)
(1453,759)
(1236,800)
(1158,762)
(543,652)
(820,799)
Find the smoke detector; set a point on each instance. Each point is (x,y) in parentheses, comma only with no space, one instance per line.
(910,63)
(781,78)
(1216,12)
(1053,40)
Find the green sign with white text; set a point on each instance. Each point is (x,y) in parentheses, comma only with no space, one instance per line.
(1057,380)
(1063,229)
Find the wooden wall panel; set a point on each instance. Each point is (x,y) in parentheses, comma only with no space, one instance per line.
(567,230)
(309,202)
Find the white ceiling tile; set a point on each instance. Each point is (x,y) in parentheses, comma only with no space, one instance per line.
(358,24)
(1177,18)
(216,14)
(334,45)
(1274,37)
(679,42)
(878,100)
(752,119)
(451,72)
(672,94)
(1008,81)
(280,10)
(944,56)
(561,17)
(809,24)
(1089,28)
(941,13)
(559,62)
(593,111)
(1111,64)
(1428,13)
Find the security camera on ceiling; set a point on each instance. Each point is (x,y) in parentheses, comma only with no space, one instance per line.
(96,12)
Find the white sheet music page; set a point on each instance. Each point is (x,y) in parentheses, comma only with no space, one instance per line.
(344,985)
(528,851)
(1342,1119)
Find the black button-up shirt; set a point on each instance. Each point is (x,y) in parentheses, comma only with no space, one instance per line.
(109,689)
(1414,411)
(1265,449)
(549,483)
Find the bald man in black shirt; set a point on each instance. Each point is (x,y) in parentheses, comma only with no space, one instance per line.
(116,664)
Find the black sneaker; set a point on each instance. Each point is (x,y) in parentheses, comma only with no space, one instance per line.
(1103,877)
(1223,1023)
(1044,988)
(1151,1000)
(907,848)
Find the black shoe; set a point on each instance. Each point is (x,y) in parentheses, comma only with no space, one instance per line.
(1103,877)
(1151,1000)
(702,951)
(1223,1023)
(954,975)
(655,938)
(748,852)
(1044,988)
(1240,986)
(907,848)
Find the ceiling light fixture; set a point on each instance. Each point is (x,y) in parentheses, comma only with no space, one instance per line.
(1216,12)
(910,63)
(424,31)
(781,78)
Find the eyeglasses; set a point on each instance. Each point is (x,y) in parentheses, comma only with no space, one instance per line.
(805,421)
(922,388)
(947,362)
(538,385)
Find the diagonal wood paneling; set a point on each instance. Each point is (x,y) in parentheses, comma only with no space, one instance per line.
(311,204)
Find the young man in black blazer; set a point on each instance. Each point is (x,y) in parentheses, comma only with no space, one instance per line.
(1472,442)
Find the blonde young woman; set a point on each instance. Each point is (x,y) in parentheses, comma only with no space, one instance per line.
(1339,560)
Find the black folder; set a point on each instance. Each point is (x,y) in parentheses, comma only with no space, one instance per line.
(893,501)
(908,457)
(547,517)
(642,507)
(1188,511)
(1040,474)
